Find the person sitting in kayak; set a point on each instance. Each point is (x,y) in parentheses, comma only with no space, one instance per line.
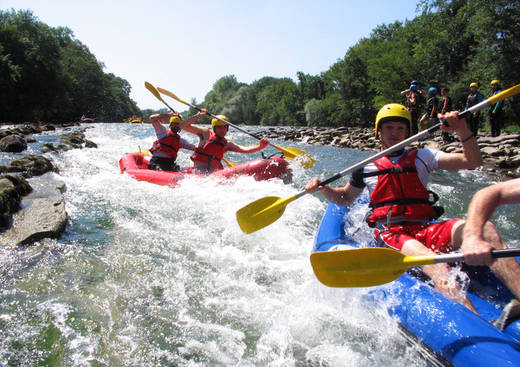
(402,209)
(165,148)
(213,144)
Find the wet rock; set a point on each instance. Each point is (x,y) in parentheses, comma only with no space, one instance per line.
(13,143)
(32,165)
(43,218)
(75,140)
(12,188)
(43,214)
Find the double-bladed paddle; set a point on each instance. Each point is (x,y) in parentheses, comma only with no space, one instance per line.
(370,266)
(306,160)
(264,211)
(154,91)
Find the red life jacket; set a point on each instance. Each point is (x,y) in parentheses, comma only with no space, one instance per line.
(399,194)
(210,154)
(169,144)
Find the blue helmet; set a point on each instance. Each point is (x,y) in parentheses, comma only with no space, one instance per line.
(432,90)
(413,87)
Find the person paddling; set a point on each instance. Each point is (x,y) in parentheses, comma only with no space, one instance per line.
(481,237)
(402,209)
(165,148)
(213,144)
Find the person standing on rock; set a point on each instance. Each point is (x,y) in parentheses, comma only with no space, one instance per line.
(431,109)
(402,209)
(165,148)
(445,105)
(495,111)
(474,97)
(413,102)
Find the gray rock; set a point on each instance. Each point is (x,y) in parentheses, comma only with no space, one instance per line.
(32,165)
(491,151)
(13,144)
(12,188)
(42,218)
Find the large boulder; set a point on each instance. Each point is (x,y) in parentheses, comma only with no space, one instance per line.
(43,214)
(43,218)
(13,143)
(12,188)
(32,165)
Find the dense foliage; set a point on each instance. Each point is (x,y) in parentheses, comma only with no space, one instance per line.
(450,43)
(48,75)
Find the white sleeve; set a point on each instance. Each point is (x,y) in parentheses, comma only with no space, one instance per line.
(160,131)
(429,159)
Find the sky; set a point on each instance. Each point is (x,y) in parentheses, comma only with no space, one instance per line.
(185,46)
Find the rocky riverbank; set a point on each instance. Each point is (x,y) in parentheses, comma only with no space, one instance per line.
(501,154)
(27,213)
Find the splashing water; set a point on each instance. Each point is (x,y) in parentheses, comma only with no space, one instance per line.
(148,275)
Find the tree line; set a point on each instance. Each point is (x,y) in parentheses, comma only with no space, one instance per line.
(449,43)
(48,75)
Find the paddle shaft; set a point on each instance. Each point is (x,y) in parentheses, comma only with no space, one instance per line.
(214,116)
(448,258)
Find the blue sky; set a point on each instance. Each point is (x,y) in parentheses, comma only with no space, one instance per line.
(186,45)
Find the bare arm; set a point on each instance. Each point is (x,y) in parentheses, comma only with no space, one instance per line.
(486,201)
(156,120)
(475,246)
(201,132)
(250,149)
(187,125)
(339,195)
(471,157)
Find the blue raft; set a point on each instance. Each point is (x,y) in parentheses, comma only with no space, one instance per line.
(457,335)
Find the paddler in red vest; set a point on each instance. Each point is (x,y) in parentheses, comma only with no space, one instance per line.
(165,148)
(402,209)
(213,144)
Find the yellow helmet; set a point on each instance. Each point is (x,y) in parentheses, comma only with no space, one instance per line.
(217,122)
(177,119)
(393,112)
(495,81)
(474,84)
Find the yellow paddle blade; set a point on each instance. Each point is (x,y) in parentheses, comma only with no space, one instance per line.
(364,267)
(305,159)
(261,213)
(505,94)
(154,91)
(168,93)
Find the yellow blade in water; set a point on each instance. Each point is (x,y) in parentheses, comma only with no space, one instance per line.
(364,267)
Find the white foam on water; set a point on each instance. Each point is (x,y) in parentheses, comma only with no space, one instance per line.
(149,275)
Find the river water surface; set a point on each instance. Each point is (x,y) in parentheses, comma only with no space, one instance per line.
(147,275)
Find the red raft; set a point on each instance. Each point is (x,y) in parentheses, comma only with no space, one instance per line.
(136,165)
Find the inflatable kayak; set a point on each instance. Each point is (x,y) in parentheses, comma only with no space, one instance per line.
(136,165)
(455,334)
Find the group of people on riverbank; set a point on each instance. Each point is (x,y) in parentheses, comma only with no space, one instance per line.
(209,152)
(403,211)
(416,97)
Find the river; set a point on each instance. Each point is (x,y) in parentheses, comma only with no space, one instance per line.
(147,275)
